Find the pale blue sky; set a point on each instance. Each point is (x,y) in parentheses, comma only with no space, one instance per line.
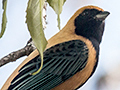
(17,35)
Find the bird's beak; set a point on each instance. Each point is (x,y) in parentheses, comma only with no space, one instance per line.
(102,15)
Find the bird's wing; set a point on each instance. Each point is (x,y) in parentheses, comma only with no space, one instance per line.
(61,62)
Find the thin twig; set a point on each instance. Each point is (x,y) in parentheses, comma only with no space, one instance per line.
(17,54)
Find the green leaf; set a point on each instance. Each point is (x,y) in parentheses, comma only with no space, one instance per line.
(35,26)
(57,7)
(4,18)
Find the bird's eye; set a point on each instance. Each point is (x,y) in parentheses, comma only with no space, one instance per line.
(85,13)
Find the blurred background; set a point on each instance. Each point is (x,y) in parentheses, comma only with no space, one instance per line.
(107,75)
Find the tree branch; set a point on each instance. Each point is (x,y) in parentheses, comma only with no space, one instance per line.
(17,54)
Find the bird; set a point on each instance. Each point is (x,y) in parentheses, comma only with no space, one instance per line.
(70,58)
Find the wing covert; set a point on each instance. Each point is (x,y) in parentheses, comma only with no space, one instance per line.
(61,62)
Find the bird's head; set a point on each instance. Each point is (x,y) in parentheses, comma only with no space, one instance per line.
(89,22)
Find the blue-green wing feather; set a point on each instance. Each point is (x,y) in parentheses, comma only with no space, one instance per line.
(61,62)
